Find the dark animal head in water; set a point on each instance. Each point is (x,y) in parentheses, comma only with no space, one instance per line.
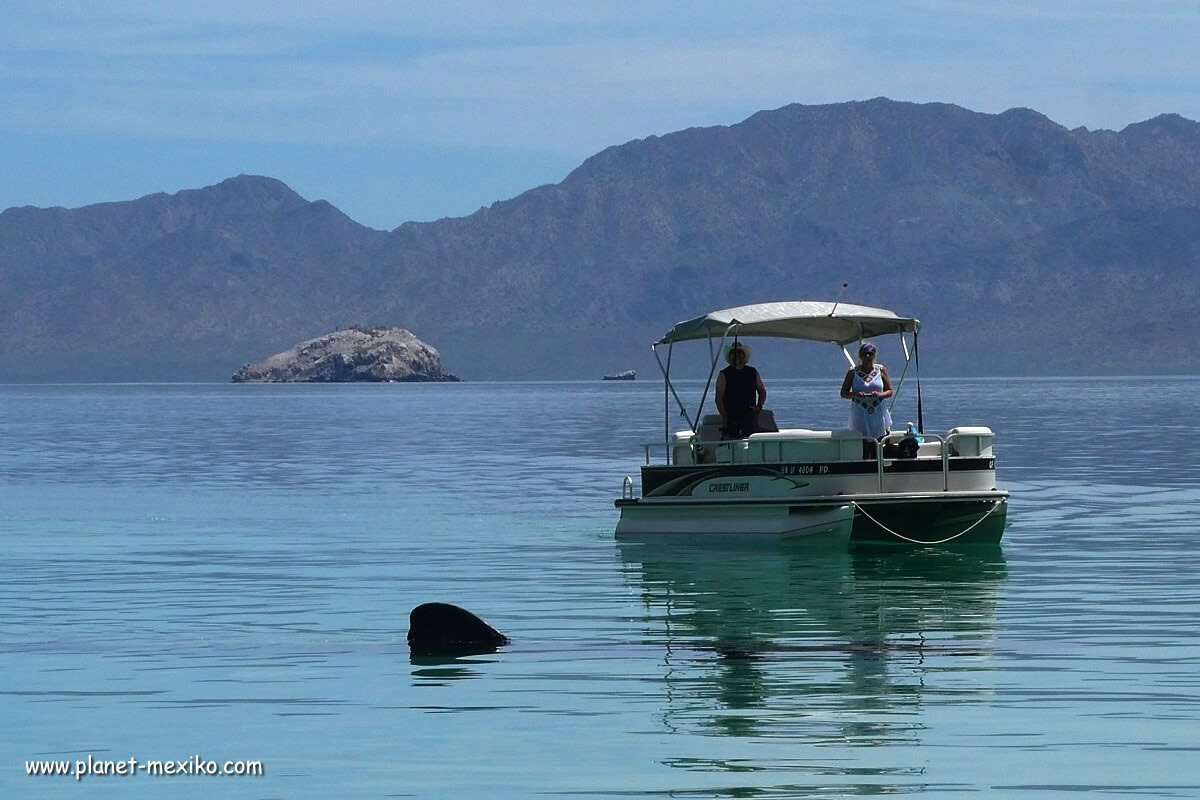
(438,629)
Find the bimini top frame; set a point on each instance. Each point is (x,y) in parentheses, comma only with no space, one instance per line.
(839,323)
(813,320)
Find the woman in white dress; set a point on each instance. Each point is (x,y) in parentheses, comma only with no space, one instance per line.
(866,387)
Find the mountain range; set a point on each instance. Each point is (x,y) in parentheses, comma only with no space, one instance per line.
(1024,248)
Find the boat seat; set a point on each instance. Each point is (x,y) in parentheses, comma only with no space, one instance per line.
(685,451)
(711,423)
(801,444)
(970,441)
(766,421)
(929,449)
(710,431)
(710,428)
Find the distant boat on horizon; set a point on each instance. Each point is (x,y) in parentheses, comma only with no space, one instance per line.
(627,375)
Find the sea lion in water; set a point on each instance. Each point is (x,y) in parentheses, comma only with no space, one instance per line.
(436,629)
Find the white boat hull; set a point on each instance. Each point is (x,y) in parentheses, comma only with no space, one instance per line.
(828,525)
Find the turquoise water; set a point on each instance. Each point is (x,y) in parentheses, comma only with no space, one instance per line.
(226,572)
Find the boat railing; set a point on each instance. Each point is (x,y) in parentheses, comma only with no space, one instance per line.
(713,447)
(943,450)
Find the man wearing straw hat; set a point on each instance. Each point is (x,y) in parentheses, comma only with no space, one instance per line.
(740,394)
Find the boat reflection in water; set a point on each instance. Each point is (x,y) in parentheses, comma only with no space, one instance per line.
(776,640)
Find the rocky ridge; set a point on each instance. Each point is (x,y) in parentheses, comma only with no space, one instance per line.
(350,355)
(1023,246)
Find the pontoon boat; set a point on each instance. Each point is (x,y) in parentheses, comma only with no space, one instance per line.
(834,486)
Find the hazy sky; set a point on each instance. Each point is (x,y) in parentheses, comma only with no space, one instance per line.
(396,111)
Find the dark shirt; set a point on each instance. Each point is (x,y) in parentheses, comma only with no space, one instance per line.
(741,389)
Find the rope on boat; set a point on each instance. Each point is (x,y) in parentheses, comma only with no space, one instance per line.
(971,527)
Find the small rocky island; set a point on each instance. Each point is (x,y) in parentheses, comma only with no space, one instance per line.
(353,354)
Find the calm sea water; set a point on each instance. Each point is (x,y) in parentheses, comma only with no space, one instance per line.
(226,572)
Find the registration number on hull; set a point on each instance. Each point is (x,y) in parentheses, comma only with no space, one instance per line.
(804,469)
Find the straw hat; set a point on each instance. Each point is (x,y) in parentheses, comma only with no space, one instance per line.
(745,348)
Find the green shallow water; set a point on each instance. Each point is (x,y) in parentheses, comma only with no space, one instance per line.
(226,571)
